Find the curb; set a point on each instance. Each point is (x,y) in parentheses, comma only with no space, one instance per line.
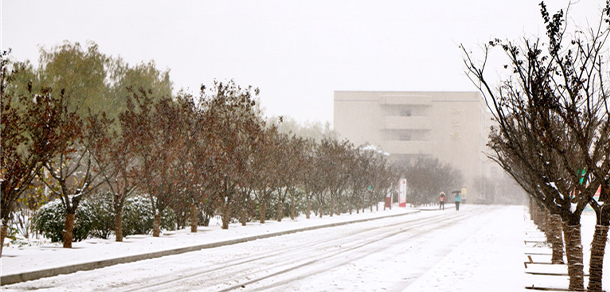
(34,275)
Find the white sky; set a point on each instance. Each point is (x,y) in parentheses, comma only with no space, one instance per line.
(296,52)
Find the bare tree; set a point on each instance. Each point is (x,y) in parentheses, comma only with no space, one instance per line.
(552,133)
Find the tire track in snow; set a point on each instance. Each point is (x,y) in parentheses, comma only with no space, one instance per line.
(301,257)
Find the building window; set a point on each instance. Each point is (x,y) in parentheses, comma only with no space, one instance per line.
(404,137)
(406,112)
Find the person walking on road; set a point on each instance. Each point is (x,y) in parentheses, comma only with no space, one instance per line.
(441,200)
(458,198)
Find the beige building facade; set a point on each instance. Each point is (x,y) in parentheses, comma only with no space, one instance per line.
(451,126)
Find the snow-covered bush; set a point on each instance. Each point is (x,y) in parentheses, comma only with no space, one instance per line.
(138,217)
(50,220)
(102,215)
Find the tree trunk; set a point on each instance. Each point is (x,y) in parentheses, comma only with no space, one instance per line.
(118,225)
(263,212)
(292,208)
(350,206)
(598,248)
(338,207)
(243,216)
(363,205)
(531,208)
(226,215)
(194,217)
(556,239)
(280,211)
(157,224)
(540,219)
(308,208)
(206,220)
(3,233)
(67,233)
(573,243)
(332,205)
(548,233)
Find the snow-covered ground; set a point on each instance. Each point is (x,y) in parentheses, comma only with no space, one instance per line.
(483,251)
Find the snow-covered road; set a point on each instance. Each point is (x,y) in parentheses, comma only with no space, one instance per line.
(381,255)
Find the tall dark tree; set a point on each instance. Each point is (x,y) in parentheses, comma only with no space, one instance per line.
(127,78)
(80,72)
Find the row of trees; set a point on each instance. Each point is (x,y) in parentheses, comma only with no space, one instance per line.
(553,129)
(213,153)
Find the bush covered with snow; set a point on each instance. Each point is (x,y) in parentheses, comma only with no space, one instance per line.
(50,220)
(95,218)
(138,217)
(102,215)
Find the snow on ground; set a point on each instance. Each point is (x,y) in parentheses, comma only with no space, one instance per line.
(489,259)
(20,259)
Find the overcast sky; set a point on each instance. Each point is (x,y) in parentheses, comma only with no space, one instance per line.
(297,52)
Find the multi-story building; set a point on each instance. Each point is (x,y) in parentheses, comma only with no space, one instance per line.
(451,126)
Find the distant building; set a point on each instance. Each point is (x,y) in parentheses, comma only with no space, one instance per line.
(451,126)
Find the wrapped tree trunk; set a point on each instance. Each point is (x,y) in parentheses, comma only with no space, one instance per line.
(573,244)
(157,224)
(598,247)
(194,217)
(556,238)
(68,230)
